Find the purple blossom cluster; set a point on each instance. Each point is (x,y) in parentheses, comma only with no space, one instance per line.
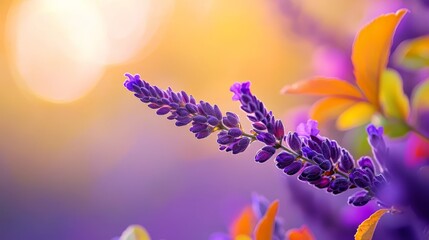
(316,159)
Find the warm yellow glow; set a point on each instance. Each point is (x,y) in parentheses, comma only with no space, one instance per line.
(58,47)
(130,24)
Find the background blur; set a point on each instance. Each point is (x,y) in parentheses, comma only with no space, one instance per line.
(81,158)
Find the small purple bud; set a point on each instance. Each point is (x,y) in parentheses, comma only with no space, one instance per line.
(182,121)
(279,130)
(319,159)
(235,132)
(335,152)
(338,185)
(366,163)
(376,140)
(294,141)
(359,199)
(266,138)
(284,159)
(311,173)
(264,154)
(197,127)
(315,146)
(153,105)
(241,145)
(293,168)
(231,120)
(191,108)
(203,134)
(217,112)
(326,150)
(346,161)
(182,112)
(359,178)
(212,121)
(258,116)
(259,126)
(199,119)
(326,165)
(323,182)
(163,111)
(308,152)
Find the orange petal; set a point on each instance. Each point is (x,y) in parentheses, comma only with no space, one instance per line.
(366,228)
(325,87)
(302,233)
(371,51)
(356,115)
(244,223)
(329,107)
(265,227)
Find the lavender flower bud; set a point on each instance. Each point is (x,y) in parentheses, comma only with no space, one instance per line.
(314,145)
(308,152)
(266,138)
(311,173)
(293,168)
(264,154)
(279,131)
(366,163)
(241,145)
(335,151)
(259,126)
(338,185)
(326,165)
(284,159)
(323,182)
(360,178)
(294,141)
(326,150)
(235,132)
(359,199)
(231,120)
(346,161)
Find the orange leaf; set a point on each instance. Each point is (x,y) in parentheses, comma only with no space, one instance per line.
(366,228)
(324,87)
(265,227)
(302,233)
(371,51)
(244,223)
(329,107)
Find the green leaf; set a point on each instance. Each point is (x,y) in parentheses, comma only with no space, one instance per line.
(393,100)
(366,229)
(393,127)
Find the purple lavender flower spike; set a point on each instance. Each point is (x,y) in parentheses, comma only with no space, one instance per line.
(320,161)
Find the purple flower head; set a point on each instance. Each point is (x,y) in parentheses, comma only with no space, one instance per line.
(308,129)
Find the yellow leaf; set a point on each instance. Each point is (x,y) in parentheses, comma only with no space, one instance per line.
(420,99)
(302,233)
(414,53)
(393,100)
(324,87)
(329,107)
(135,232)
(244,223)
(265,227)
(356,115)
(371,51)
(366,228)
